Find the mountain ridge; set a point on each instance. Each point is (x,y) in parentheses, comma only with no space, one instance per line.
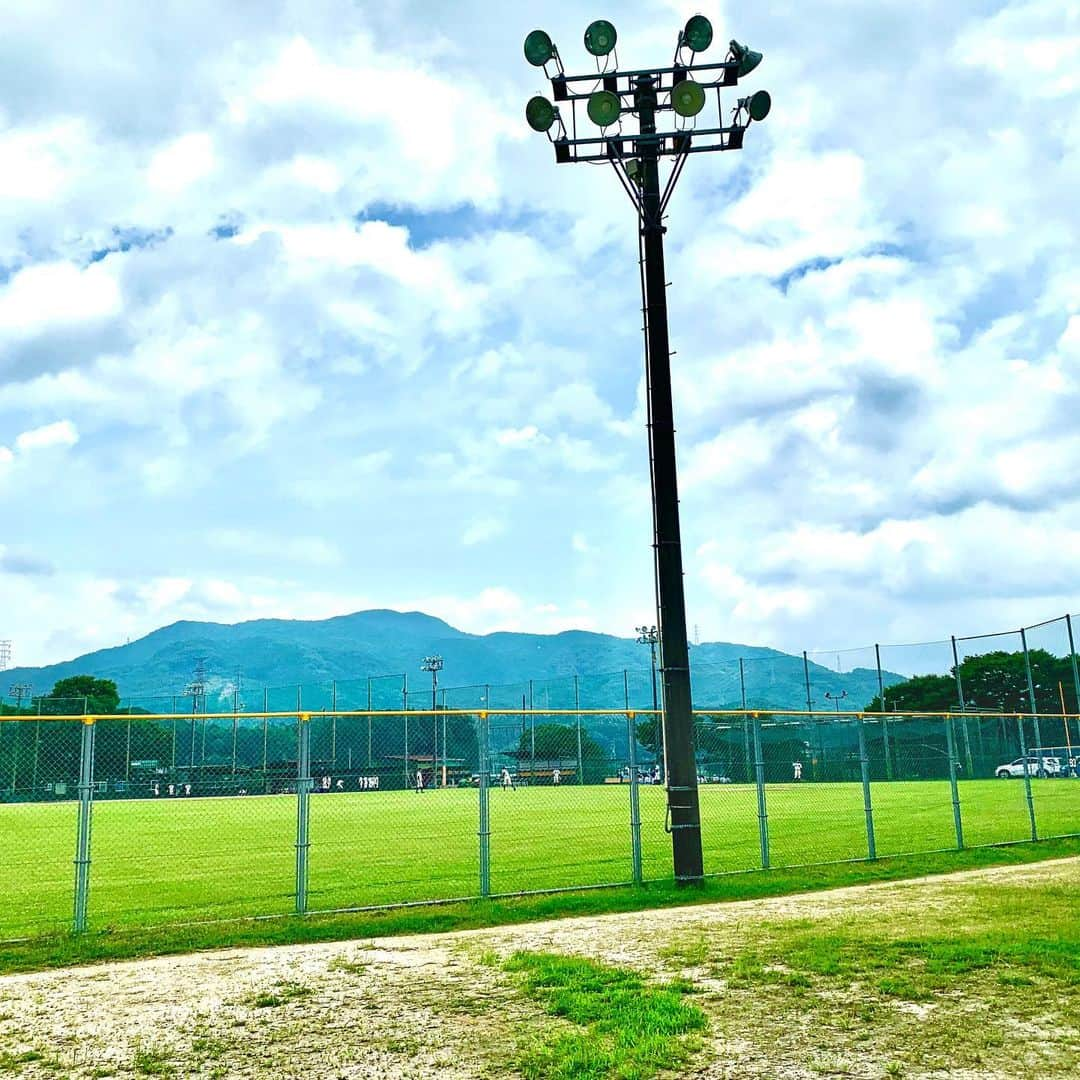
(382,643)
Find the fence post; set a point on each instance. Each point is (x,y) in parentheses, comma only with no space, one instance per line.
(950,738)
(748,761)
(82,839)
(759,779)
(1072,660)
(814,734)
(884,718)
(635,804)
(1027,776)
(485,809)
(868,807)
(1038,747)
(303,810)
(333,723)
(577,725)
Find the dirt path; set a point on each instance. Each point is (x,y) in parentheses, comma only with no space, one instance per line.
(437,1005)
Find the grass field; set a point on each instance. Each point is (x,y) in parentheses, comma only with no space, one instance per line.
(166,861)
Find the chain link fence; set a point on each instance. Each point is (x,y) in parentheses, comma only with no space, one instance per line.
(230,800)
(152,820)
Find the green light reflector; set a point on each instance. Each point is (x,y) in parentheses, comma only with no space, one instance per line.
(600,37)
(760,104)
(698,33)
(538,48)
(688,98)
(747,58)
(540,113)
(603,108)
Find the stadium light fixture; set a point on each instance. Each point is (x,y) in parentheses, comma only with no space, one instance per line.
(604,108)
(688,98)
(600,37)
(681,90)
(745,57)
(697,34)
(539,48)
(758,105)
(540,113)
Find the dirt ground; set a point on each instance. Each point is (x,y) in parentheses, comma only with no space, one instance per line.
(442,1005)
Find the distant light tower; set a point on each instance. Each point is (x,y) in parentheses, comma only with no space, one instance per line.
(196,690)
(434,664)
(836,698)
(20,691)
(5,655)
(649,635)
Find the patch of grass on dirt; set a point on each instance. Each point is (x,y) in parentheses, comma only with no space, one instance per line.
(919,982)
(13,1062)
(623,1027)
(147,1062)
(279,995)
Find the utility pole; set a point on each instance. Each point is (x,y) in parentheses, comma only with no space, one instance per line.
(635,160)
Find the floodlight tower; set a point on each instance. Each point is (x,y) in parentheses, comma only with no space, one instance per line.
(5,655)
(649,635)
(434,664)
(20,691)
(609,95)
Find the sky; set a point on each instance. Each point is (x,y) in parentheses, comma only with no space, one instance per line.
(298,317)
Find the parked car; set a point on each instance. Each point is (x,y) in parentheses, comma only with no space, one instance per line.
(1033,766)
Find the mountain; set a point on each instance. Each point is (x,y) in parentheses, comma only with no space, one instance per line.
(343,659)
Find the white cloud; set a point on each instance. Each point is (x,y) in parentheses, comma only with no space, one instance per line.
(180,164)
(291,323)
(57,294)
(61,433)
(479,532)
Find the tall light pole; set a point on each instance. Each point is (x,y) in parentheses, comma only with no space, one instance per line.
(20,691)
(649,635)
(607,95)
(835,699)
(434,664)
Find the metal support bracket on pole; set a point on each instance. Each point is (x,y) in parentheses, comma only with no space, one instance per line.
(82,838)
(303,810)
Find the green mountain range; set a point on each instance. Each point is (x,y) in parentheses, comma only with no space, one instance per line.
(373,658)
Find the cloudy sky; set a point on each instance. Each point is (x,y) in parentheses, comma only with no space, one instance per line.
(298,317)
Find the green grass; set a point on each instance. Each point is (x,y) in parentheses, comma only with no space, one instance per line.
(172,861)
(618,1025)
(167,861)
(922,980)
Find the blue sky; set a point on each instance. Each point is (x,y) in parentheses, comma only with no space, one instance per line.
(298,317)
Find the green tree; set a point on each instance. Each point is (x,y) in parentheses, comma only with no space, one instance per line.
(101,696)
(554,742)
